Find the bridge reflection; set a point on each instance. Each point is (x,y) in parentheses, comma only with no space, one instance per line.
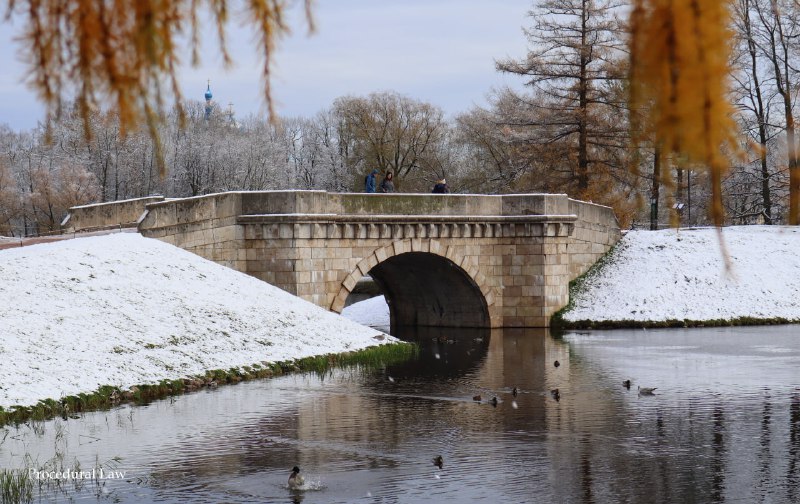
(718,432)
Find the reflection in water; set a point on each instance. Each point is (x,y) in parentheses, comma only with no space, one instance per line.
(764,454)
(444,353)
(370,436)
(794,447)
(718,456)
(586,469)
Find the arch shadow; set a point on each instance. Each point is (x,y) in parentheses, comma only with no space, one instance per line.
(425,289)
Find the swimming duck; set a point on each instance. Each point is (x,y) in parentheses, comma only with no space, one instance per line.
(476,398)
(514,392)
(493,401)
(627,384)
(438,461)
(646,390)
(295,480)
(556,364)
(556,394)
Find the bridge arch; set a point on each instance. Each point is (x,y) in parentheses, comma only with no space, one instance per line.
(425,285)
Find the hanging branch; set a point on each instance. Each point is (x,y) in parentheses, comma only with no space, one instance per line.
(121,53)
(679,70)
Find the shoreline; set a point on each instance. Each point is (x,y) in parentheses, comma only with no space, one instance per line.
(687,278)
(156,312)
(108,396)
(558,324)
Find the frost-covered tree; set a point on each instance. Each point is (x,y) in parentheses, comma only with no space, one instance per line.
(126,52)
(777,31)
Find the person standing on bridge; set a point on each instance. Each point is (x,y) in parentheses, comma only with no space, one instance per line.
(441,187)
(369,182)
(387,184)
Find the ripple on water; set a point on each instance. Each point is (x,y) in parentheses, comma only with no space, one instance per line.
(724,424)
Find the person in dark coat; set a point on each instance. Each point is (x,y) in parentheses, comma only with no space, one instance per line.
(369,182)
(387,184)
(441,187)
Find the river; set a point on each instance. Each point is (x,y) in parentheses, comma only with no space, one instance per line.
(723,425)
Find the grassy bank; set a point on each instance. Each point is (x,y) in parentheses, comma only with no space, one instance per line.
(563,325)
(16,486)
(109,396)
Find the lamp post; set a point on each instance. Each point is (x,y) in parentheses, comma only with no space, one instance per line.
(653,214)
(689,197)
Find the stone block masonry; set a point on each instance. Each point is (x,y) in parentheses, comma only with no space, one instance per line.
(124,213)
(441,260)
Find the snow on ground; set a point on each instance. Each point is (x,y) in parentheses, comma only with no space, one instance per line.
(124,310)
(373,312)
(662,275)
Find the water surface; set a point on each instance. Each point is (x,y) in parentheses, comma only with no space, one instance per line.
(724,425)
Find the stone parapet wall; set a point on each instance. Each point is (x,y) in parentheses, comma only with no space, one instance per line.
(596,231)
(205,225)
(321,202)
(124,213)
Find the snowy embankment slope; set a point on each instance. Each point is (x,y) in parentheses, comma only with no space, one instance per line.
(124,310)
(680,275)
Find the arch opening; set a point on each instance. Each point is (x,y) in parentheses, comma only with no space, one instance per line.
(424,289)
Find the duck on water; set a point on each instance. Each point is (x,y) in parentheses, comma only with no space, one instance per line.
(295,480)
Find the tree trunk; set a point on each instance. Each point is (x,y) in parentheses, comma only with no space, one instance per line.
(583,83)
(656,189)
(766,197)
(783,83)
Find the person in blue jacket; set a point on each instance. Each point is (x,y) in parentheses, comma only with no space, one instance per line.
(369,182)
(441,187)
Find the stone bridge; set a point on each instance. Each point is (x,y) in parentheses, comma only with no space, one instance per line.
(440,260)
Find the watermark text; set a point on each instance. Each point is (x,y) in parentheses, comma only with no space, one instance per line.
(98,473)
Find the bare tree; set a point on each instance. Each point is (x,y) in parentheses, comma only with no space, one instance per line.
(753,102)
(779,29)
(387,131)
(10,201)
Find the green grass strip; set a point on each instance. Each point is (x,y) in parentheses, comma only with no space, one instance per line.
(109,396)
(672,323)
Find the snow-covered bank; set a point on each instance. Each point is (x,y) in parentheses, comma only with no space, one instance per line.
(123,310)
(373,312)
(680,275)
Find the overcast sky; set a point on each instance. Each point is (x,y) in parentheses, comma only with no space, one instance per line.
(440,51)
